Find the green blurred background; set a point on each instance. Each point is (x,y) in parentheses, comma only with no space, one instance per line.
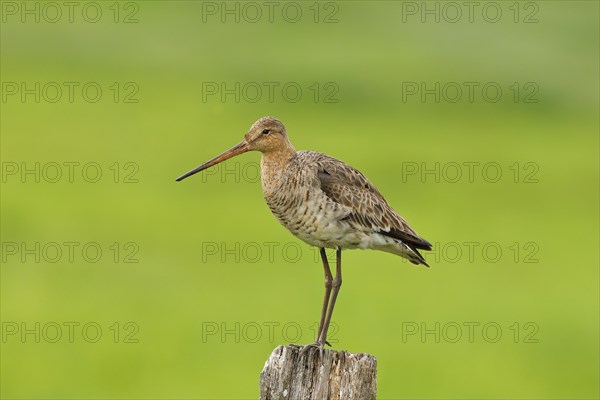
(206,317)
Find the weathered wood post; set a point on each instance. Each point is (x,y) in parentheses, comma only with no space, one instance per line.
(290,375)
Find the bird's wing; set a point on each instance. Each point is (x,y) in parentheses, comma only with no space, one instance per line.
(347,186)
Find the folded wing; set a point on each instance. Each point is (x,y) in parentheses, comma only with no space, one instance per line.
(370,211)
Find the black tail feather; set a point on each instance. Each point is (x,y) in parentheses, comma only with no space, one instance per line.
(413,241)
(421,259)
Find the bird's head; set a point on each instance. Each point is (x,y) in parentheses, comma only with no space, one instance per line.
(266,135)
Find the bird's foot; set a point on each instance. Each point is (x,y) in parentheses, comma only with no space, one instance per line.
(316,345)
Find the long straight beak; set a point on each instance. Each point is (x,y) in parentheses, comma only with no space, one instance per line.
(232,152)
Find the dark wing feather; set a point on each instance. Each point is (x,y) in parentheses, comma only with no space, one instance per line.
(408,238)
(346,185)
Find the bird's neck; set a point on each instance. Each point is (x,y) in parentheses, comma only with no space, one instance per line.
(272,167)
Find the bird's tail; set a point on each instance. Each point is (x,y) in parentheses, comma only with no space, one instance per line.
(408,245)
(404,250)
(418,258)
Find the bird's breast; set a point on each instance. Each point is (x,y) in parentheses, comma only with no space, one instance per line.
(308,214)
(293,194)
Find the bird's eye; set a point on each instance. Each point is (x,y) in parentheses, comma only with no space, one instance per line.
(265,132)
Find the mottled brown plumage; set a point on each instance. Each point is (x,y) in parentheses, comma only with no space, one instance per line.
(324,202)
(327,203)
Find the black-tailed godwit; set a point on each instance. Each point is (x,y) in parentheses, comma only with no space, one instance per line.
(324,202)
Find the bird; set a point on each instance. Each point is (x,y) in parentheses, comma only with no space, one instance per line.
(324,202)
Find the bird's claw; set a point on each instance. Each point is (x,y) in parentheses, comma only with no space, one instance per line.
(317,345)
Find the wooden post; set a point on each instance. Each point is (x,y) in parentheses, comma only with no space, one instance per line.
(289,375)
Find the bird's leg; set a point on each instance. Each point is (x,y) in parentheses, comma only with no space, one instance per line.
(336,284)
(328,283)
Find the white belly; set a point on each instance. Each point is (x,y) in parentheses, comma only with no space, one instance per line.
(323,225)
